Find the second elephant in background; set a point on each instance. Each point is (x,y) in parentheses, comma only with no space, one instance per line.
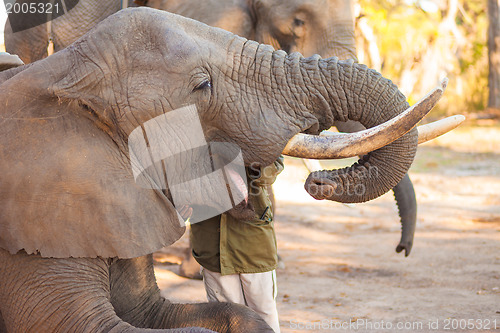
(324,27)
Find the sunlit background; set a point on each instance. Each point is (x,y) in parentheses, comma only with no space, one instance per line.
(418,42)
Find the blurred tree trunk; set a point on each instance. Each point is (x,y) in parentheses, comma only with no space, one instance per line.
(369,46)
(494,53)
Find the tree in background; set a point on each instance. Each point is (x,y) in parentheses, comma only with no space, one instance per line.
(494,54)
(422,41)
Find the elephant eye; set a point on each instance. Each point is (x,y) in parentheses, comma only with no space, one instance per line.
(298,22)
(203,84)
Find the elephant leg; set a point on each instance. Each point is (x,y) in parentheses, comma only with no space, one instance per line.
(58,295)
(137,300)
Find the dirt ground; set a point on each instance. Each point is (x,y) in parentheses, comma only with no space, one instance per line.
(341,271)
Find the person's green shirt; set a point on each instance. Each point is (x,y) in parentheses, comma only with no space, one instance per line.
(229,246)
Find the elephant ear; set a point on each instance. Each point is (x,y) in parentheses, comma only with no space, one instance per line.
(66,187)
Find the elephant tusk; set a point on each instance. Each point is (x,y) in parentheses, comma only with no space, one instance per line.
(432,130)
(429,131)
(344,145)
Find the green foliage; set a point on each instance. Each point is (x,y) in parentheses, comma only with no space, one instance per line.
(422,41)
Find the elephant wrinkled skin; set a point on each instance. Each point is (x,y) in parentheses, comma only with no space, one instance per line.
(77,232)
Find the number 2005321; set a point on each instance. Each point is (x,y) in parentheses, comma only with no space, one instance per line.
(32,8)
(470,324)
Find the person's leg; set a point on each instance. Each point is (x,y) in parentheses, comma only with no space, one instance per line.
(225,288)
(260,292)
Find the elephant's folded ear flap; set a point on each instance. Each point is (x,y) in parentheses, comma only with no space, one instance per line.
(67,189)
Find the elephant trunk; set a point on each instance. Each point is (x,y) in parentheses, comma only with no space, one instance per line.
(340,91)
(407,205)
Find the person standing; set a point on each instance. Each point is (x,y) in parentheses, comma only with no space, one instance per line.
(239,257)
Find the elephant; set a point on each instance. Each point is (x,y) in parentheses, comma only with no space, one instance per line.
(77,231)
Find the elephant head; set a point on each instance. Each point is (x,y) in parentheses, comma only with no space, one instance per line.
(324,27)
(67,184)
